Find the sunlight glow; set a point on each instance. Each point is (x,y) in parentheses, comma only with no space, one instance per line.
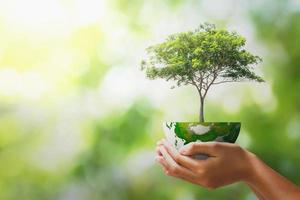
(51,16)
(29,85)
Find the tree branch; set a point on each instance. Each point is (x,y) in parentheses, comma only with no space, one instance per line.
(198,88)
(229,81)
(208,86)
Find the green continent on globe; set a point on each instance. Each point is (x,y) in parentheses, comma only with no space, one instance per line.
(221,131)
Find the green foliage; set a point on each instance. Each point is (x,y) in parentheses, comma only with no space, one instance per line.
(202,58)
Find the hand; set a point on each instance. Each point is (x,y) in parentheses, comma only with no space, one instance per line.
(227,163)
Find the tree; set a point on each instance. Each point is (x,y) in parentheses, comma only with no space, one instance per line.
(204,57)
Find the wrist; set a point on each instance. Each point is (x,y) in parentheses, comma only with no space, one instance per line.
(267,182)
(250,169)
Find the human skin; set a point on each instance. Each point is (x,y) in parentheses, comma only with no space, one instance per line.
(241,166)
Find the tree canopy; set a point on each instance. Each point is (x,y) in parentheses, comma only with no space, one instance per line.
(202,58)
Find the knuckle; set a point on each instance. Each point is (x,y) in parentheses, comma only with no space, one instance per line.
(175,169)
(200,171)
(176,157)
(202,174)
(193,146)
(172,169)
(167,173)
(215,145)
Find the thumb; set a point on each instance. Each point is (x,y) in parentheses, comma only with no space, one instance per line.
(209,148)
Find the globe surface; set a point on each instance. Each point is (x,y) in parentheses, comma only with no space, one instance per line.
(181,133)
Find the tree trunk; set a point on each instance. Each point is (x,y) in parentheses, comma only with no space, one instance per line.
(201,114)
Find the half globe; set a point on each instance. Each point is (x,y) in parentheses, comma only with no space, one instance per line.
(181,133)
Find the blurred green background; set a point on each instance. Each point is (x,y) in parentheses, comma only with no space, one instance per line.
(79,121)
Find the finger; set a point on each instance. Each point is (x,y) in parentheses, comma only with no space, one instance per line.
(175,169)
(159,143)
(162,162)
(158,151)
(184,161)
(165,167)
(167,157)
(209,148)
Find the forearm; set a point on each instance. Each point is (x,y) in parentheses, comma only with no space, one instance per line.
(257,193)
(268,183)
